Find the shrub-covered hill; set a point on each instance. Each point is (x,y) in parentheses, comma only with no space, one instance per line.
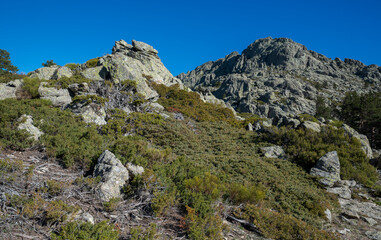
(178,165)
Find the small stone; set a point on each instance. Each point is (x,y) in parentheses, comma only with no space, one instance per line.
(370,221)
(328,215)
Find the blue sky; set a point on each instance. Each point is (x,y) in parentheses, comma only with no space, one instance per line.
(186,34)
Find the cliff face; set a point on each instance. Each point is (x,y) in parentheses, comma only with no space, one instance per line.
(279,78)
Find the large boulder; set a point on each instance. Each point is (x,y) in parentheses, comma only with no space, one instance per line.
(26,123)
(113,176)
(311,126)
(365,145)
(327,168)
(63,72)
(8,90)
(96,73)
(91,113)
(59,97)
(45,73)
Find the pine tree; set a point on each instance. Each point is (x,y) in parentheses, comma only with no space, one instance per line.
(6,65)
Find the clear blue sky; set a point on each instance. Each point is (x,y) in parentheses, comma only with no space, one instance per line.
(186,34)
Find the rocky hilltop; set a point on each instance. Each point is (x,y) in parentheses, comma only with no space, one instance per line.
(279,78)
(118,148)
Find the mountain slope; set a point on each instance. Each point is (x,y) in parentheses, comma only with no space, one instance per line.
(279,78)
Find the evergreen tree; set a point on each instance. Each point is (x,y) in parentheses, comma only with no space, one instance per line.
(6,65)
(363,112)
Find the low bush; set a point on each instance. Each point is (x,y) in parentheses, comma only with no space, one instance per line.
(305,147)
(92,62)
(276,225)
(190,104)
(86,231)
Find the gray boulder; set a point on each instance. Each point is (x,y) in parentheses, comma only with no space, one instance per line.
(273,152)
(327,168)
(8,90)
(63,72)
(79,88)
(45,73)
(113,176)
(141,46)
(374,235)
(59,97)
(135,170)
(91,113)
(26,123)
(343,192)
(98,73)
(311,126)
(365,145)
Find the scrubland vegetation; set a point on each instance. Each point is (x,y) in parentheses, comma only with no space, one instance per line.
(207,165)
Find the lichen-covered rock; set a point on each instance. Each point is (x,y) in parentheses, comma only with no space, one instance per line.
(63,72)
(26,123)
(59,97)
(113,176)
(96,73)
(273,152)
(343,192)
(135,169)
(141,46)
(365,145)
(90,112)
(79,88)
(311,126)
(45,73)
(8,90)
(327,168)
(139,63)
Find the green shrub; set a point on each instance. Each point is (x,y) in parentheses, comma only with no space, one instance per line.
(30,86)
(111,205)
(86,231)
(147,234)
(64,81)
(276,225)
(239,193)
(92,62)
(305,147)
(190,104)
(307,117)
(72,66)
(90,99)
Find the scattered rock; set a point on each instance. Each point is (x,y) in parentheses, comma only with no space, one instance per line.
(249,127)
(273,152)
(374,235)
(344,231)
(328,215)
(343,192)
(59,97)
(114,175)
(328,168)
(26,123)
(135,169)
(370,221)
(311,126)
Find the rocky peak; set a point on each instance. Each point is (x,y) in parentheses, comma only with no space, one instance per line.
(293,75)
